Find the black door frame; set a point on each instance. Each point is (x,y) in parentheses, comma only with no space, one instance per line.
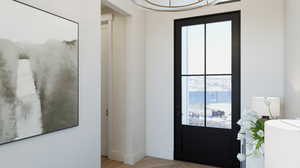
(236,76)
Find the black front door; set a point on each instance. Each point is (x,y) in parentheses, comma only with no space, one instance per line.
(207,89)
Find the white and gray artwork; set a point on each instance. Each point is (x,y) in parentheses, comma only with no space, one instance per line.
(38,72)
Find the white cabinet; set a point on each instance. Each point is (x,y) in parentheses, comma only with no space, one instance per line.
(282,144)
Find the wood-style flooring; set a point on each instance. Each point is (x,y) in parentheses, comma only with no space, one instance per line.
(150,162)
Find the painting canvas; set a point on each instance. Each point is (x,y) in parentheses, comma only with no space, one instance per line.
(38,72)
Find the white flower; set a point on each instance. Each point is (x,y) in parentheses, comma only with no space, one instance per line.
(260,133)
(240,122)
(241,136)
(242,130)
(247,125)
(255,142)
(245,135)
(251,116)
(241,157)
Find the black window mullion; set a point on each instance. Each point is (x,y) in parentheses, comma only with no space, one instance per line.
(205,75)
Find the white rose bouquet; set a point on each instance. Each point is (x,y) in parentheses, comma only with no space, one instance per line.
(252,132)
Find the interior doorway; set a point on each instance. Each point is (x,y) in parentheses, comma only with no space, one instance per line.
(113,84)
(106,83)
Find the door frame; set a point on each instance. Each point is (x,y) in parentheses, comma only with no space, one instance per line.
(107,19)
(236,69)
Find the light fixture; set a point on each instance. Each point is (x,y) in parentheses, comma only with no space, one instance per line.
(266,106)
(174,5)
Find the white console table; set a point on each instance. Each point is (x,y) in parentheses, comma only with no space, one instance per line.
(282,144)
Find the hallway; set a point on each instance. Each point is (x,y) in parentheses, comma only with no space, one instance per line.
(150,162)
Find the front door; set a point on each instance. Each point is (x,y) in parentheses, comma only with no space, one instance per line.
(207,89)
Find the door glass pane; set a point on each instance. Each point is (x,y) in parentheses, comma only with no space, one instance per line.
(218,43)
(193,49)
(218,100)
(193,100)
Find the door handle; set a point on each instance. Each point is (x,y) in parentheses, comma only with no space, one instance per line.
(106,112)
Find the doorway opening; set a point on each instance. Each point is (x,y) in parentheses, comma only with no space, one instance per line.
(113,30)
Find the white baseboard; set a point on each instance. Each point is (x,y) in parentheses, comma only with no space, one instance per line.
(131,159)
(116,155)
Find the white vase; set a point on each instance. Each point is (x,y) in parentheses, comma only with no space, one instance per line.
(255,162)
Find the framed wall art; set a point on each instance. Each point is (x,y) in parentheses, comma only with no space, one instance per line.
(39,90)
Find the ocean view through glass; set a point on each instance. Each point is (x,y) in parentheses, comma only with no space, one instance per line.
(206,83)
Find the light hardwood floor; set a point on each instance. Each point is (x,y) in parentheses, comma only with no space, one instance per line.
(150,162)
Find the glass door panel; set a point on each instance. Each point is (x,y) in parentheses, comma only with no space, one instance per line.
(218,102)
(193,50)
(218,48)
(206,54)
(193,100)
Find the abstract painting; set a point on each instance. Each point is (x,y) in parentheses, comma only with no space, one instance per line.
(38,72)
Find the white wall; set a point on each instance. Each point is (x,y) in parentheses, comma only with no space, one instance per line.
(77,147)
(263,51)
(292,52)
(135,80)
(262,64)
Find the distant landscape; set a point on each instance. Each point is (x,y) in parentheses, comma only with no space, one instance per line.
(218,101)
